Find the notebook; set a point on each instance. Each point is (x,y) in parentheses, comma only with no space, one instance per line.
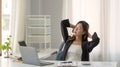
(67,64)
(30,56)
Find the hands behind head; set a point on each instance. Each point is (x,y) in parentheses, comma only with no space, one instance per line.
(89,35)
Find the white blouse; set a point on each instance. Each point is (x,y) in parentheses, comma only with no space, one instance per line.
(74,53)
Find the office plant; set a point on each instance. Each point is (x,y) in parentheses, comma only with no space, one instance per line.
(6,46)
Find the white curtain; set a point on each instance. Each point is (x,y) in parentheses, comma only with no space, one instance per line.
(67,9)
(110,25)
(114,32)
(103,17)
(17,23)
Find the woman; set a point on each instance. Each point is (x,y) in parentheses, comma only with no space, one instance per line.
(77,47)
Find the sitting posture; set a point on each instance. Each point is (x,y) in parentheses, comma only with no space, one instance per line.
(76,47)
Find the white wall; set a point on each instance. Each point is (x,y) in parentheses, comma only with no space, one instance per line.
(54,8)
(48,7)
(33,7)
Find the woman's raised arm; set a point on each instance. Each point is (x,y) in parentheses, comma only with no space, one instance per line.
(64,24)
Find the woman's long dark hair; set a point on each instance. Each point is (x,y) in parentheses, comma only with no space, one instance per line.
(85,26)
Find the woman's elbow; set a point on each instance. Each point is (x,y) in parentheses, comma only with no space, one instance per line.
(98,40)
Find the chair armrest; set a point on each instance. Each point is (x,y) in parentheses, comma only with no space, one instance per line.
(54,53)
(45,55)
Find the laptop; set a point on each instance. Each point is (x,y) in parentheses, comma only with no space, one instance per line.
(30,56)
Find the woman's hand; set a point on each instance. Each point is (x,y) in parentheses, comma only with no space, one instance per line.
(72,26)
(89,35)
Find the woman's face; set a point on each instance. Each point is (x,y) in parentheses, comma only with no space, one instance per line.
(78,30)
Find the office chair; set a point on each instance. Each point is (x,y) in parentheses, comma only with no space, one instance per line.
(22,43)
(56,55)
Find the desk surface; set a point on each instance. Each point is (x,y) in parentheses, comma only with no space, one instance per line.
(7,62)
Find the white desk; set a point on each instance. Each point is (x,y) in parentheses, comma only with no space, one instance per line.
(9,63)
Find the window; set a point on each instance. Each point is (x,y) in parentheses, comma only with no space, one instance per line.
(6,12)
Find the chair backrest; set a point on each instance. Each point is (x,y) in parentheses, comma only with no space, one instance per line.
(59,53)
(61,46)
(22,43)
(29,55)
